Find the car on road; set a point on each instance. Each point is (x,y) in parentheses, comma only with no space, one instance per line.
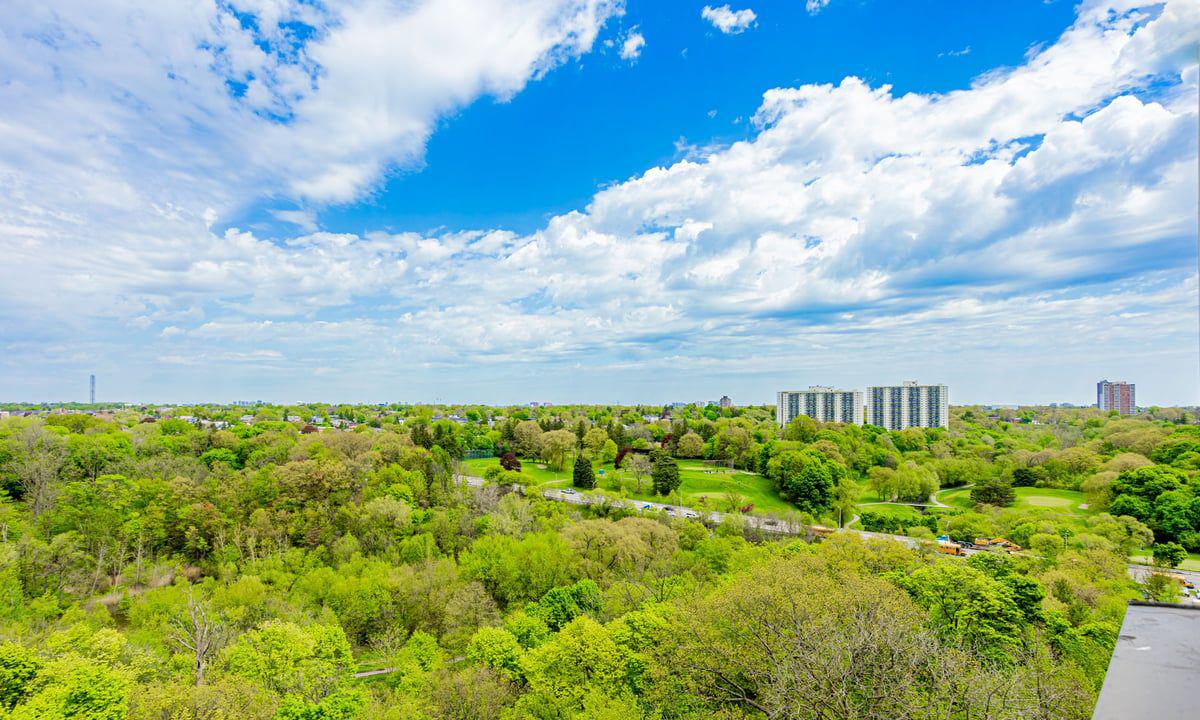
(569,491)
(647,506)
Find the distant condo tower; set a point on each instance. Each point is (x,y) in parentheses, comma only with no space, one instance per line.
(896,407)
(92,389)
(1116,395)
(823,404)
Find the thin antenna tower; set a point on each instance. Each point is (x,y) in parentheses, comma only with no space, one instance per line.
(92,388)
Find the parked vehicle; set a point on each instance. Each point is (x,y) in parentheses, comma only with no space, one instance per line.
(997,542)
(950,548)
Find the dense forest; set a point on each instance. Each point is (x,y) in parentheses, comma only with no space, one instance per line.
(331,562)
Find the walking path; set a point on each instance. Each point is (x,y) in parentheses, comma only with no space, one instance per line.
(933,499)
(769,525)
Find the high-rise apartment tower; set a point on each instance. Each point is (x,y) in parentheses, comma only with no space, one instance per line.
(823,404)
(1116,395)
(910,404)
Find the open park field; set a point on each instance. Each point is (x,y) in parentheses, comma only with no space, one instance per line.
(1068,501)
(703,485)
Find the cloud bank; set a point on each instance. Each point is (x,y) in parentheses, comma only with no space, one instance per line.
(1040,217)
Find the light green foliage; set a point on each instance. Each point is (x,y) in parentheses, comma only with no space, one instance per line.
(556,446)
(529,629)
(307,661)
(908,483)
(498,649)
(313,556)
(691,445)
(519,570)
(72,686)
(968,526)
(967,606)
(594,441)
(580,661)
(341,705)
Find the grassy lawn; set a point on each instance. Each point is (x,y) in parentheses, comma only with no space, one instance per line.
(1027,498)
(713,484)
(906,513)
(703,486)
(867,495)
(956,497)
(901,511)
(1050,497)
(1145,558)
(537,473)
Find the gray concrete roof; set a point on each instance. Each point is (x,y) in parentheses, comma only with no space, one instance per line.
(1155,669)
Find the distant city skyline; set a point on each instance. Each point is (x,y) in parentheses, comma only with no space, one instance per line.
(598,200)
(734,401)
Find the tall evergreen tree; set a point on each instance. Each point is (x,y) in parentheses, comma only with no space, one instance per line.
(665,476)
(584,476)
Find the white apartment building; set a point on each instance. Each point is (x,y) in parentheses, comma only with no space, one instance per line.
(896,407)
(823,404)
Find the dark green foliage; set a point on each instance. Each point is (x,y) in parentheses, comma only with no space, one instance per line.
(563,604)
(18,668)
(221,455)
(993,491)
(1169,554)
(956,472)
(806,478)
(875,521)
(665,475)
(1148,482)
(1178,450)
(583,476)
(1130,505)
(1025,477)
(1164,498)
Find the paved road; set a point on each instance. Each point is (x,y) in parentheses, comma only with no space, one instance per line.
(766,525)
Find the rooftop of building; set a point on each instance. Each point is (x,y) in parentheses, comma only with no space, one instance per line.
(1155,667)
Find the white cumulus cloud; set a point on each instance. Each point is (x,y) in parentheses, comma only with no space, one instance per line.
(632,46)
(730,22)
(1005,231)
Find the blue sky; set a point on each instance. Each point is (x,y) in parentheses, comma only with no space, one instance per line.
(501,164)
(595,200)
